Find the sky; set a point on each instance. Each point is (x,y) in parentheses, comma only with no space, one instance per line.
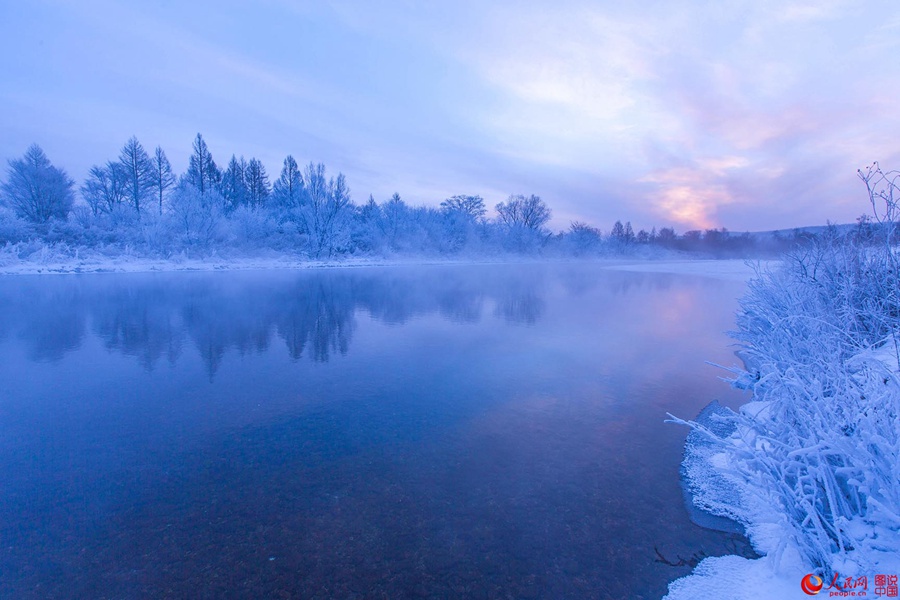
(748,115)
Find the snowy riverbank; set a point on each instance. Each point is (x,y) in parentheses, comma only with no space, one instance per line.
(97,263)
(809,467)
(48,261)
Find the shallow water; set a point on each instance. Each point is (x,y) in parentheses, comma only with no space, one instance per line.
(429,432)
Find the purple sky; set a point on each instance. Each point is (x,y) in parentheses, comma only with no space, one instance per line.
(748,115)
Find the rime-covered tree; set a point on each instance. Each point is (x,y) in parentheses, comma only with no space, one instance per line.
(582,238)
(526,213)
(258,188)
(35,189)
(471,207)
(666,237)
(460,217)
(138,172)
(202,171)
(325,212)
(370,211)
(395,216)
(105,188)
(366,231)
(522,221)
(617,233)
(163,179)
(234,183)
(622,235)
(287,193)
(196,215)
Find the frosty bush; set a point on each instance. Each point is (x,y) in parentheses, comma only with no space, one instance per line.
(12,228)
(819,450)
(156,233)
(196,217)
(251,227)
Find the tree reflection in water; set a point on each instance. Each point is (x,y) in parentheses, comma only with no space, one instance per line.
(152,316)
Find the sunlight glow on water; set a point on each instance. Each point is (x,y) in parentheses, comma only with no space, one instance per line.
(482,432)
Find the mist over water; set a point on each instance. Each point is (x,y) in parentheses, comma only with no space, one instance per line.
(443,431)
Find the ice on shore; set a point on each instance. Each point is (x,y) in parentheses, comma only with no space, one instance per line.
(710,498)
(737,578)
(718,500)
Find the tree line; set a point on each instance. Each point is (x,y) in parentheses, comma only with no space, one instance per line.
(138,203)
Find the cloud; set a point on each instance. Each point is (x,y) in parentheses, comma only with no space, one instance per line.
(727,114)
(691,195)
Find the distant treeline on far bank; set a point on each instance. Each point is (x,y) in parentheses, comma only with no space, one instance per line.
(137,205)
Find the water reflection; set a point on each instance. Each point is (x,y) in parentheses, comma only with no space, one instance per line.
(490,431)
(151,316)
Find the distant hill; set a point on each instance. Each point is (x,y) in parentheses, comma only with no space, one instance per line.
(809,230)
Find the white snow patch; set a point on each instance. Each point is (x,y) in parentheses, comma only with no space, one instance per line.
(126,264)
(736,578)
(49,261)
(730,269)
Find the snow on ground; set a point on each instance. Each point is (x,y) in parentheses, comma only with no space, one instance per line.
(736,578)
(51,263)
(126,264)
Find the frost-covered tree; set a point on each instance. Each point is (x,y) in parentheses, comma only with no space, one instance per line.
(583,239)
(666,237)
(521,212)
(35,189)
(395,216)
(370,211)
(138,171)
(202,171)
(287,193)
(617,233)
(522,221)
(471,207)
(621,235)
(258,188)
(197,216)
(325,212)
(105,188)
(460,215)
(234,183)
(366,234)
(162,176)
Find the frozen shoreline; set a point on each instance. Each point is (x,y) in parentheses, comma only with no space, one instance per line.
(177,264)
(724,489)
(726,269)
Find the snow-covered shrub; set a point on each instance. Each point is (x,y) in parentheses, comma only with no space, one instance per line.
(156,233)
(818,451)
(582,240)
(12,228)
(251,227)
(196,218)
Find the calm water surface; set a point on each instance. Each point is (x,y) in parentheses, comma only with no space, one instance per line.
(429,432)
